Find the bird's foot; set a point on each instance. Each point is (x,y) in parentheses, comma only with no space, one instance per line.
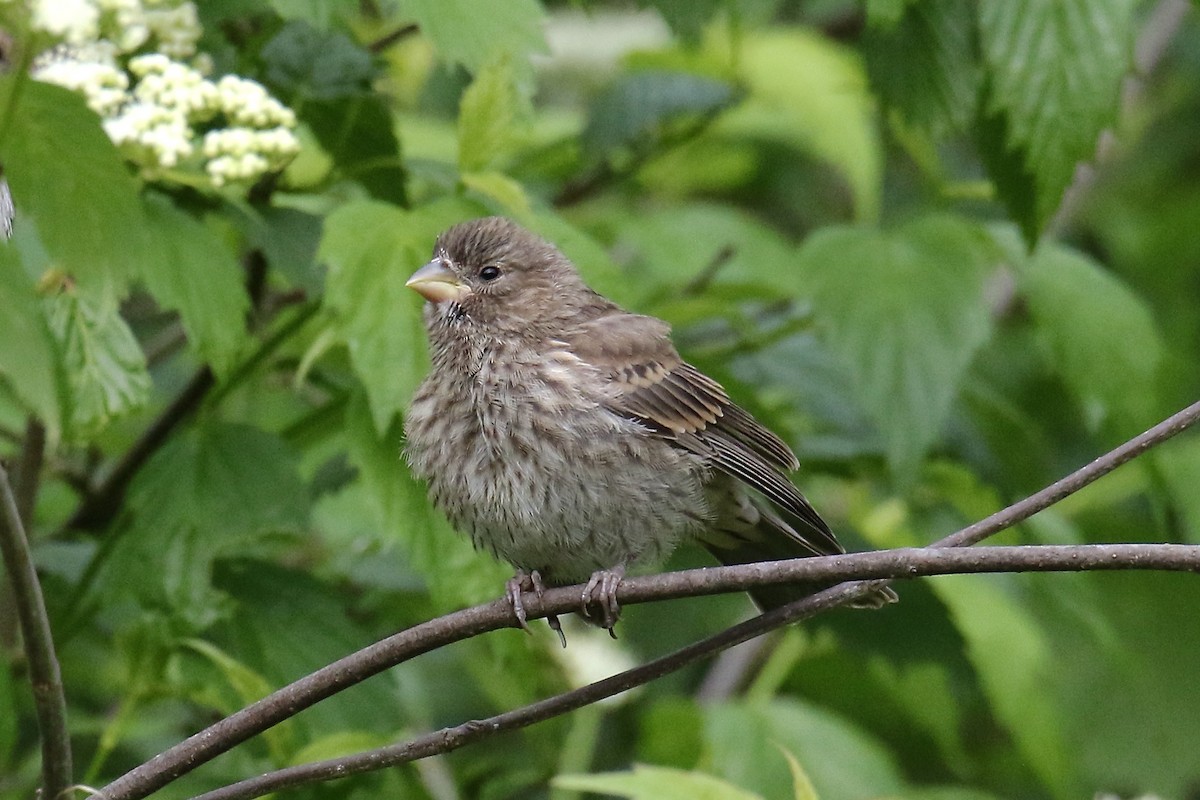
(529,581)
(601,590)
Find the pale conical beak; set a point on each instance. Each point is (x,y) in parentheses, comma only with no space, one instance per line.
(436,283)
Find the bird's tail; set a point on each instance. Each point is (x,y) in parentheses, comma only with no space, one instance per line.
(752,530)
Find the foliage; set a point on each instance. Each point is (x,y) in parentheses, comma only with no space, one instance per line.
(853,215)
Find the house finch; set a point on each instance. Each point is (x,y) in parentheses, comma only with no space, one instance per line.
(566,436)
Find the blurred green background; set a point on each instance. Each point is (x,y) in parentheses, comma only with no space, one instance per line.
(866,219)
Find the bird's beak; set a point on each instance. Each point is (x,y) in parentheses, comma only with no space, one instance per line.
(436,283)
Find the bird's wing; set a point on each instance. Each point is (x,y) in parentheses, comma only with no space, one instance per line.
(657,388)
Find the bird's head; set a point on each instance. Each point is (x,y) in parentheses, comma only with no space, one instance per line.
(493,274)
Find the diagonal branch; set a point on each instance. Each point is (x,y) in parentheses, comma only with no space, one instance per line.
(900,563)
(290,700)
(45,677)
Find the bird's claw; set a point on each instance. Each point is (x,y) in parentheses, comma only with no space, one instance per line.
(601,590)
(530,581)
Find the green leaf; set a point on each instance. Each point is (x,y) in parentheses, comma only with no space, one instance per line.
(641,104)
(318,13)
(455,572)
(105,367)
(372,249)
(485,117)
(70,179)
(802,785)
(923,64)
(904,311)
(842,762)
(1179,462)
(193,272)
(1054,70)
(308,63)
(502,190)
(812,94)
(1015,665)
(356,131)
(211,491)
(679,244)
(265,636)
(686,17)
(1100,335)
(28,358)
(474,33)
(645,782)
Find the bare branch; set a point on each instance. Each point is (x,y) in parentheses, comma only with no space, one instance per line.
(901,563)
(45,677)
(879,566)
(29,469)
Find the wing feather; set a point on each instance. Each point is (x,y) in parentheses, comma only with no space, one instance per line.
(655,387)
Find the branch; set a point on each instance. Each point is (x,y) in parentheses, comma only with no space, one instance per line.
(29,469)
(44,674)
(900,563)
(290,700)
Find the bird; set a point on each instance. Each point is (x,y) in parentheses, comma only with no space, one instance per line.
(568,437)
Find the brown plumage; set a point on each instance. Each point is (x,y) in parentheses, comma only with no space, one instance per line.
(567,436)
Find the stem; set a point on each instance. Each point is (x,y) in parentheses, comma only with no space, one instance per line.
(29,470)
(45,677)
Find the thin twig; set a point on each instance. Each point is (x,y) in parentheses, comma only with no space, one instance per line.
(901,563)
(44,674)
(290,700)
(389,39)
(29,469)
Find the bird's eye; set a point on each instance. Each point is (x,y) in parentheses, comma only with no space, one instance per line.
(489,273)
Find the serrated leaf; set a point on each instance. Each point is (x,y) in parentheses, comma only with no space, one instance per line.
(265,637)
(28,357)
(812,94)
(210,491)
(485,117)
(248,686)
(645,782)
(923,63)
(842,761)
(105,367)
(70,179)
(455,572)
(474,33)
(309,63)
(191,271)
(1015,665)
(640,104)
(904,311)
(1100,335)
(1054,70)
(371,250)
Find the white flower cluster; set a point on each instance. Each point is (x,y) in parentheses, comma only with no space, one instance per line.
(127,24)
(152,107)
